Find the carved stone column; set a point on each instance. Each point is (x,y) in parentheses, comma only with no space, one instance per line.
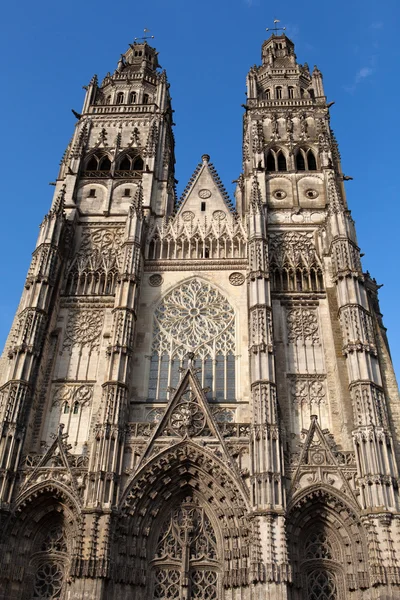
(267,467)
(27,344)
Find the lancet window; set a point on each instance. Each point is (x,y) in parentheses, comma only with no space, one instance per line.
(194,317)
(98,162)
(294,263)
(129,162)
(276,161)
(305,160)
(185,563)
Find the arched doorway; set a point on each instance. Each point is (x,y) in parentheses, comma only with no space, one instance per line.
(185,564)
(39,541)
(327,547)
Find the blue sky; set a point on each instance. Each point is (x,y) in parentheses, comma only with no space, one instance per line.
(49,50)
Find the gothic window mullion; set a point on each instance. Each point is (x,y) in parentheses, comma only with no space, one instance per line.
(185,575)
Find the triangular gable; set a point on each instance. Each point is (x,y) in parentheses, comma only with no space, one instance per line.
(55,458)
(205,187)
(318,463)
(187,416)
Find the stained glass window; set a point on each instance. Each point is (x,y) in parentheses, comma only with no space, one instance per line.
(194,317)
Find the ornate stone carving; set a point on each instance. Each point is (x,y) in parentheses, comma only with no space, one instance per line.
(302,325)
(236,278)
(204,194)
(279,194)
(194,317)
(83,328)
(187,418)
(94,268)
(309,390)
(292,247)
(69,394)
(311,194)
(188,215)
(223,415)
(155,280)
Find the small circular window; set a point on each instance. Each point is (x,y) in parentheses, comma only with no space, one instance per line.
(311,194)
(279,194)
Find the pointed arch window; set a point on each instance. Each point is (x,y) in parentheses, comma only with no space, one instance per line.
(312,164)
(276,161)
(145,98)
(132,98)
(120,98)
(305,160)
(271,161)
(278,92)
(194,317)
(300,161)
(93,164)
(138,164)
(291,91)
(129,162)
(268,94)
(105,164)
(185,563)
(98,162)
(281,160)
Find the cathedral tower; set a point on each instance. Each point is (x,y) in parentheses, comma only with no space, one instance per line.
(197,399)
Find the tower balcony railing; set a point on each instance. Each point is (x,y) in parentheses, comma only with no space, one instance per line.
(122,108)
(284,102)
(116,174)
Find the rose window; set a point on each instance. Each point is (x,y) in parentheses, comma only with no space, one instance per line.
(49,580)
(194,317)
(187,419)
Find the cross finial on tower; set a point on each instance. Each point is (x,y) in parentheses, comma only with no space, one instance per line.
(144,37)
(275,28)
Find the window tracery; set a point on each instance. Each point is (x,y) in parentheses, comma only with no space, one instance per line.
(276,160)
(129,162)
(50,562)
(186,238)
(194,317)
(294,263)
(48,580)
(185,563)
(94,268)
(322,585)
(98,165)
(305,160)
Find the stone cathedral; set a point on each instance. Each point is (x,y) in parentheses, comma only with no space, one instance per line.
(197,400)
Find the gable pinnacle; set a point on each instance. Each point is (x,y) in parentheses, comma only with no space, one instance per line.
(58,206)
(255,196)
(137,200)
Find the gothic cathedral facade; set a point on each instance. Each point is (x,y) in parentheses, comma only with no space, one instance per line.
(197,400)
